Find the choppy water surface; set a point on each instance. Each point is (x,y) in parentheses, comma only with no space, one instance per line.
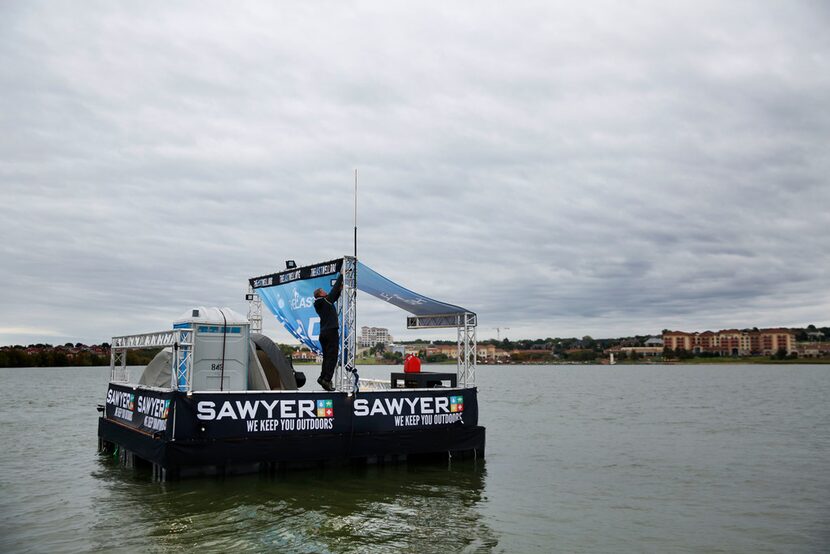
(579,459)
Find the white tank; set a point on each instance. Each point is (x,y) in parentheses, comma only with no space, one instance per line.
(214,333)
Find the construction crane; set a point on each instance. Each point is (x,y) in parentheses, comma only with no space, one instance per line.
(498,331)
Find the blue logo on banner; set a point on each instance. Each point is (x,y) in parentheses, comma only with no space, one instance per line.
(293,305)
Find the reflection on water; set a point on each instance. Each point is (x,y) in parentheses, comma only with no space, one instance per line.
(368,509)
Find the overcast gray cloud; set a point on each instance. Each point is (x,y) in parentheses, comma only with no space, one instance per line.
(560,168)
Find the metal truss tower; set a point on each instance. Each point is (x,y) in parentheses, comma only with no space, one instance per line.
(254,310)
(345,377)
(466,367)
(466,355)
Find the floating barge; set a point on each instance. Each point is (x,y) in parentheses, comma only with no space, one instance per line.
(221,398)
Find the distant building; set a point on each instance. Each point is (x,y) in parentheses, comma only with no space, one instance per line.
(370,336)
(654,342)
(305,355)
(413,349)
(812,349)
(488,353)
(396,349)
(732,342)
(449,350)
(646,351)
(643,350)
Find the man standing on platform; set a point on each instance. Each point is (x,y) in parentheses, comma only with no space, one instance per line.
(329,331)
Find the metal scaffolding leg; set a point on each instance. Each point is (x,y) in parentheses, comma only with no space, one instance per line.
(254,310)
(467,358)
(118,365)
(346,376)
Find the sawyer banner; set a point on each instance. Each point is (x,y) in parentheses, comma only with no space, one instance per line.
(145,410)
(289,295)
(226,415)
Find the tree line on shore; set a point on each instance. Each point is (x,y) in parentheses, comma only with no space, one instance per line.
(66,355)
(571,349)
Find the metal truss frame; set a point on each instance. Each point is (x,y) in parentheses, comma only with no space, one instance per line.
(180,339)
(118,365)
(345,377)
(465,323)
(467,355)
(254,310)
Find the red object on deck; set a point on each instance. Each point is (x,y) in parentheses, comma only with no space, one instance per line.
(412,364)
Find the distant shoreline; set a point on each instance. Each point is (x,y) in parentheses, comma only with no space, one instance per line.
(811,361)
(691,361)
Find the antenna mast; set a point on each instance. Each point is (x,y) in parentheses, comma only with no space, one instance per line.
(348,314)
(355,213)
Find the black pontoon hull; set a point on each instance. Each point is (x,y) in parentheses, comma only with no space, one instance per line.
(205,433)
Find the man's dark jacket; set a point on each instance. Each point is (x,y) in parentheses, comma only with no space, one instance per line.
(324,306)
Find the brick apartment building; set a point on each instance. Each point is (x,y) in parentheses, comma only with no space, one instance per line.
(732,342)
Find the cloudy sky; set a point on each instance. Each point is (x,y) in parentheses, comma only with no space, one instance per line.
(562,169)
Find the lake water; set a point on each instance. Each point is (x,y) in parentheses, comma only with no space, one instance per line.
(726,458)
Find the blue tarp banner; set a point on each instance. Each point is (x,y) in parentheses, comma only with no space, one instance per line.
(290,297)
(372,282)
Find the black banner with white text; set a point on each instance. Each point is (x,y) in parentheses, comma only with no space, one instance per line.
(217,415)
(142,409)
(225,415)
